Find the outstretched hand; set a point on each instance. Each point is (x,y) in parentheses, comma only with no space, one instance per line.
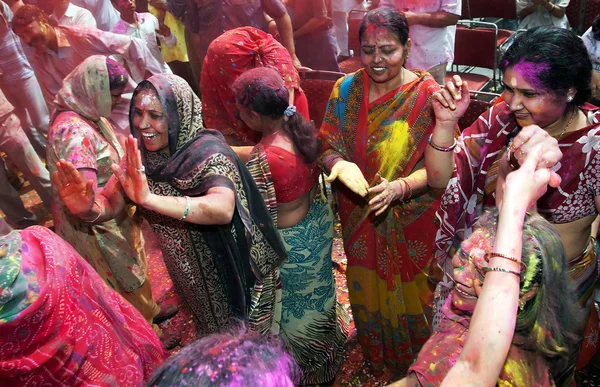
(351,176)
(76,194)
(132,173)
(451,102)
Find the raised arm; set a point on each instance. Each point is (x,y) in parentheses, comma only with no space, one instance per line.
(216,207)
(492,327)
(432,19)
(449,104)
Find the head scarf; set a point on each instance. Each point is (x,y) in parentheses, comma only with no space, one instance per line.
(184,117)
(86,91)
(117,75)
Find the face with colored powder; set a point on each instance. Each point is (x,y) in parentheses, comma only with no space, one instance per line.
(468,263)
(34,34)
(382,54)
(150,120)
(115,96)
(251,119)
(528,100)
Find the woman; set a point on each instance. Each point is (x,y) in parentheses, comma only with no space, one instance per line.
(591,39)
(547,76)
(375,132)
(61,324)
(80,133)
(227,58)
(524,266)
(219,243)
(313,324)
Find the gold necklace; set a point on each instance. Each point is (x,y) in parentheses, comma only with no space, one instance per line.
(568,124)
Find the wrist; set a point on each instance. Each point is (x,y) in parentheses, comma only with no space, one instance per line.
(148,202)
(397,189)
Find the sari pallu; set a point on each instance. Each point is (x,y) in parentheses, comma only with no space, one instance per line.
(472,188)
(228,57)
(314,326)
(62,325)
(388,255)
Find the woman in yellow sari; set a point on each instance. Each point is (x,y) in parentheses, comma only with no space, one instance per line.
(374,134)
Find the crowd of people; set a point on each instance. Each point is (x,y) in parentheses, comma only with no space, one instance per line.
(470,254)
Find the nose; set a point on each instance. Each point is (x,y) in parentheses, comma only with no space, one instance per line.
(144,121)
(515,103)
(377,57)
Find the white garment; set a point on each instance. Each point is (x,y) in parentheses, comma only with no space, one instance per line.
(430,46)
(541,16)
(345,5)
(146,29)
(105,14)
(593,48)
(76,16)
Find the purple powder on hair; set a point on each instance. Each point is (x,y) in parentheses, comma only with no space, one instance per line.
(531,72)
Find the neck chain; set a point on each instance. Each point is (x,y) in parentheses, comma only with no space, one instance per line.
(568,124)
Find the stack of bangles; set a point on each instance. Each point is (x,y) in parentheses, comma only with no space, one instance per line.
(441,148)
(500,269)
(407,190)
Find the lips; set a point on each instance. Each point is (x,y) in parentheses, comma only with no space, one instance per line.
(458,288)
(149,136)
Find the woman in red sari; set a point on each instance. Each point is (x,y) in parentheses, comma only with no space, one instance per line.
(374,134)
(61,324)
(228,57)
(547,77)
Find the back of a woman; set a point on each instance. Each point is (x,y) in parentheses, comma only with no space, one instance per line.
(313,325)
(227,58)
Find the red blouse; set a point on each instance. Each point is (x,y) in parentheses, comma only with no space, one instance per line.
(292,176)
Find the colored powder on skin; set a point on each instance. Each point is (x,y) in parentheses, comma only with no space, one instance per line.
(531,72)
(394,149)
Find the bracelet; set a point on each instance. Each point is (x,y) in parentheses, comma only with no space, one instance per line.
(512,161)
(498,255)
(99,213)
(501,270)
(441,148)
(188,204)
(408,189)
(271,21)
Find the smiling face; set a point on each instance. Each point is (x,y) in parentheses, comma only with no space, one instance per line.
(528,100)
(468,263)
(382,54)
(150,120)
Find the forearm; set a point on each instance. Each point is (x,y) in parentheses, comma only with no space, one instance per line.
(555,11)
(210,209)
(312,25)
(432,19)
(493,323)
(439,164)
(284,26)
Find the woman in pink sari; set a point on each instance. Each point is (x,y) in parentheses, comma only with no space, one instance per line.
(61,324)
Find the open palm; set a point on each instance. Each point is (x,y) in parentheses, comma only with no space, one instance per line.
(77,195)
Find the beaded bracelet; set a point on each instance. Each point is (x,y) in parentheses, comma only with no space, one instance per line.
(99,213)
(441,148)
(500,269)
(188,204)
(515,260)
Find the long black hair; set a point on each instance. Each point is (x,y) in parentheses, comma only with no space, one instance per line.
(262,90)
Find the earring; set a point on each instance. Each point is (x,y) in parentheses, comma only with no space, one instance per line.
(521,304)
(570,98)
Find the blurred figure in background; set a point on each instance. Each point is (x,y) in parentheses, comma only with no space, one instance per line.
(534,13)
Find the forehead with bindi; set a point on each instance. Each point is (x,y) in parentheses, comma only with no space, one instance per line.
(148,100)
(378,35)
(530,72)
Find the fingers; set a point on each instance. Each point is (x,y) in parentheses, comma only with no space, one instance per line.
(358,186)
(332,176)
(118,172)
(554,180)
(379,187)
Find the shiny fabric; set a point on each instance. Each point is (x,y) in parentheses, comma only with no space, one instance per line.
(62,325)
(388,255)
(230,55)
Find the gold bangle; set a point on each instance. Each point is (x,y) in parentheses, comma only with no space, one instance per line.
(512,259)
(487,269)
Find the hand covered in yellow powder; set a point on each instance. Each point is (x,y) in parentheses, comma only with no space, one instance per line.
(351,176)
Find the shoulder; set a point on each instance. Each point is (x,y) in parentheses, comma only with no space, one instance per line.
(67,124)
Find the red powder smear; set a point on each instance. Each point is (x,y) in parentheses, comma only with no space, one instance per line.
(531,72)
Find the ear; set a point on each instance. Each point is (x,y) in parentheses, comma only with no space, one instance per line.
(528,295)
(408,46)
(571,94)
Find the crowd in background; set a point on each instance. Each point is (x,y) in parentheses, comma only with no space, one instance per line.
(190,115)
